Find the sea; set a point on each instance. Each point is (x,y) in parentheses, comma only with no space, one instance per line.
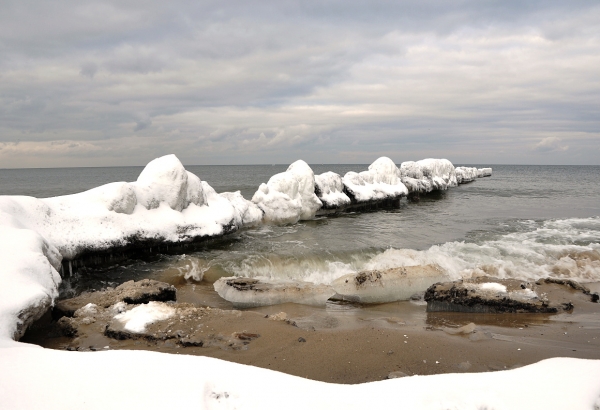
(525,221)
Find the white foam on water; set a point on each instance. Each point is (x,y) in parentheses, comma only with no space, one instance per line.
(568,248)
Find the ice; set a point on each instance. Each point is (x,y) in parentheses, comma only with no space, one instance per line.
(248,292)
(247,212)
(380,181)
(136,319)
(428,175)
(466,174)
(165,180)
(330,190)
(289,196)
(382,286)
(484,172)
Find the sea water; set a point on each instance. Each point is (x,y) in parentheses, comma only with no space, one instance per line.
(523,222)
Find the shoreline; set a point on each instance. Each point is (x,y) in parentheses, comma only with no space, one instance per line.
(346,344)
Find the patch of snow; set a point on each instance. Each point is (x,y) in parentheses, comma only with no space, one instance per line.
(136,319)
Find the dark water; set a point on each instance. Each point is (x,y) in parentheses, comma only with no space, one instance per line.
(524,221)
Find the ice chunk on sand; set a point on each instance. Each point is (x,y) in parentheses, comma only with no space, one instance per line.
(382,286)
(247,292)
(330,190)
(289,196)
(381,181)
(136,319)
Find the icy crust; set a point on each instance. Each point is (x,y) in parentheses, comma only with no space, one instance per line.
(249,292)
(428,175)
(469,174)
(380,181)
(289,196)
(329,188)
(166,203)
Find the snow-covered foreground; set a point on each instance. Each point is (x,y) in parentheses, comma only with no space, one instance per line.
(36,378)
(168,204)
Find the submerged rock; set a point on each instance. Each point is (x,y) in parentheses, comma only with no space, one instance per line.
(487,295)
(249,292)
(131,292)
(382,286)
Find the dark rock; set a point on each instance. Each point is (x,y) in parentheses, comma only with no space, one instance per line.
(131,292)
(301,339)
(485,295)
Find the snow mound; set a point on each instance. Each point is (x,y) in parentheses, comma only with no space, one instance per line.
(484,172)
(380,181)
(466,174)
(289,196)
(330,190)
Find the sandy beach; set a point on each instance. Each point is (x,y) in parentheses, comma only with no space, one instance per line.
(345,343)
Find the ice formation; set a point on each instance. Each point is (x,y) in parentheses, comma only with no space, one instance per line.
(428,175)
(380,181)
(466,174)
(382,286)
(136,319)
(330,190)
(289,196)
(247,292)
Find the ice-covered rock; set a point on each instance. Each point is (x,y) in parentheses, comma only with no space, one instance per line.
(382,286)
(484,172)
(380,181)
(466,174)
(165,180)
(289,196)
(428,175)
(488,295)
(330,190)
(247,212)
(248,292)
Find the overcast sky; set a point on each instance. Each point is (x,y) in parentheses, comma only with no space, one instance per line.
(248,82)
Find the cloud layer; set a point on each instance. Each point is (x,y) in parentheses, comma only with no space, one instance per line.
(119,83)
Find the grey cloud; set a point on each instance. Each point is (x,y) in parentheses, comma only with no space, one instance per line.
(89,69)
(550,144)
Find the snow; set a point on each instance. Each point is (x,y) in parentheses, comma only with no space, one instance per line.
(289,196)
(380,181)
(330,190)
(466,174)
(136,319)
(33,378)
(484,172)
(169,204)
(428,175)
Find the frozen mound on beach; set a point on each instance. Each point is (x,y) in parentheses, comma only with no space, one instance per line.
(249,292)
(289,196)
(380,181)
(329,188)
(428,175)
(484,172)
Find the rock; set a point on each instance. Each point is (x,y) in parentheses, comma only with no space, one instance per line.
(487,295)
(131,292)
(463,330)
(301,340)
(572,284)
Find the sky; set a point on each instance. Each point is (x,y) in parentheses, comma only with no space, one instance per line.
(102,83)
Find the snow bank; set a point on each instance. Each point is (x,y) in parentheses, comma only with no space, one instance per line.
(330,190)
(428,175)
(289,196)
(34,378)
(381,181)
(466,174)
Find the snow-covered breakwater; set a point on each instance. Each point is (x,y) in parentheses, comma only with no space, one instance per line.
(169,205)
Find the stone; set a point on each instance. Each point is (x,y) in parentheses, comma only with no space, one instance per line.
(131,292)
(489,295)
(396,375)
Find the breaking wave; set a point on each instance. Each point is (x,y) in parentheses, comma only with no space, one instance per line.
(566,248)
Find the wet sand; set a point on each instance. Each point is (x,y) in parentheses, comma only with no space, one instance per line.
(344,343)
